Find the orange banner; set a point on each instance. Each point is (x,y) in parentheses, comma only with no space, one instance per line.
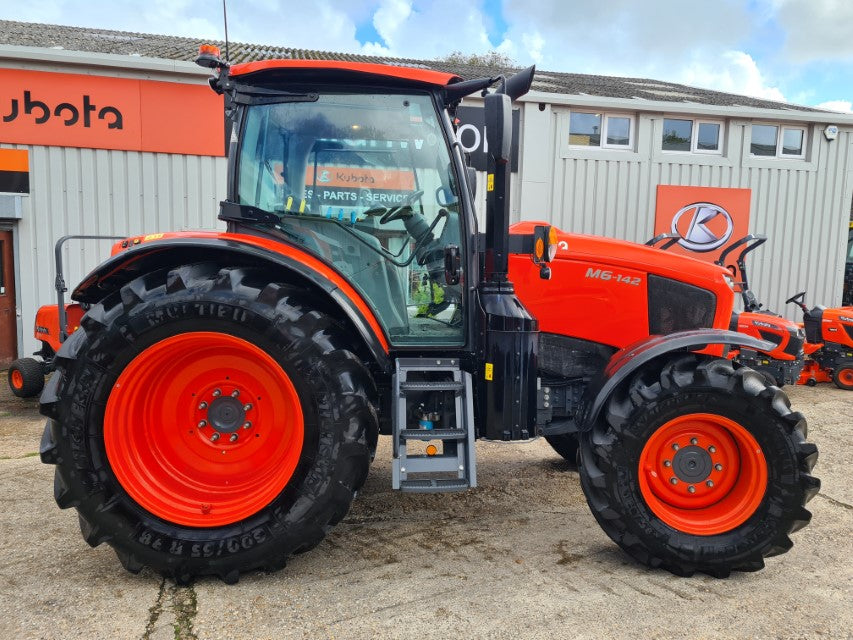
(706,219)
(358,178)
(101,112)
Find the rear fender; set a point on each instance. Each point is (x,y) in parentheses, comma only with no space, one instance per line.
(632,358)
(284,261)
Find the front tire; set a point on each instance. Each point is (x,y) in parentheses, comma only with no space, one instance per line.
(699,466)
(566,444)
(843,375)
(206,422)
(26,377)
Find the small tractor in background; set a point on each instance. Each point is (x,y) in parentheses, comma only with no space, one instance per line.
(219,406)
(829,344)
(53,324)
(783,363)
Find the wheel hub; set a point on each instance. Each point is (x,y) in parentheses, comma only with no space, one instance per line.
(692,464)
(226,415)
(702,473)
(223,438)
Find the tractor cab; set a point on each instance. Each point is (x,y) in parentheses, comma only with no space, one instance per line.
(364,181)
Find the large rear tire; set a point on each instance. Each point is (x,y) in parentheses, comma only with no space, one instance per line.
(206,422)
(699,466)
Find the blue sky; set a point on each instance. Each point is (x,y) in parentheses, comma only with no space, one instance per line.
(795,50)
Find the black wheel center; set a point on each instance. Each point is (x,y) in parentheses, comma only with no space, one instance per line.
(226,414)
(692,464)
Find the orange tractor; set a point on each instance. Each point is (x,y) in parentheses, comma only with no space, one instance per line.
(829,344)
(220,404)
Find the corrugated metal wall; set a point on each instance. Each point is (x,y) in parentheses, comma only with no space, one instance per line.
(803,206)
(99,192)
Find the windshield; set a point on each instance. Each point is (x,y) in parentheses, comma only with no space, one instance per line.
(364,181)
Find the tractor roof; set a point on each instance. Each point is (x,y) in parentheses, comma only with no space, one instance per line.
(340,70)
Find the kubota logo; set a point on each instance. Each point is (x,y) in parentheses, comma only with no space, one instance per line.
(703,226)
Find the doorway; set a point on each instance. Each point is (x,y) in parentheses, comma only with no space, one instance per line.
(8,315)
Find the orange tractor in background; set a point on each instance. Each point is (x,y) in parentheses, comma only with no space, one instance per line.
(829,344)
(53,324)
(219,406)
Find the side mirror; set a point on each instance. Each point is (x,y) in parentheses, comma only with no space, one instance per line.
(519,84)
(498,109)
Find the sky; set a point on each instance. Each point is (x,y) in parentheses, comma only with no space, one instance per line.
(798,51)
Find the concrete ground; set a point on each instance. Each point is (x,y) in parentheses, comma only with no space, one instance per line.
(519,557)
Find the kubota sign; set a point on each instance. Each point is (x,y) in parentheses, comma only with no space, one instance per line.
(101,112)
(706,219)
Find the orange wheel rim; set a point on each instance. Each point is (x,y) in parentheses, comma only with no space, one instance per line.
(702,474)
(203,429)
(845,376)
(17,379)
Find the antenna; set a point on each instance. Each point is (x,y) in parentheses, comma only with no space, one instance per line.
(225,20)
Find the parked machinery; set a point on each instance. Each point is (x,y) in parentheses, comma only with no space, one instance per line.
(219,406)
(829,344)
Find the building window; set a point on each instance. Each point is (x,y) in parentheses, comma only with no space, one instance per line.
(767,141)
(691,135)
(601,130)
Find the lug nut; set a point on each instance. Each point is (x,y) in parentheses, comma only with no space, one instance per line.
(712,449)
(691,489)
(202,406)
(214,437)
(718,467)
(202,424)
(216,393)
(673,480)
(694,441)
(233,438)
(235,393)
(247,425)
(247,407)
(710,483)
(675,446)
(667,463)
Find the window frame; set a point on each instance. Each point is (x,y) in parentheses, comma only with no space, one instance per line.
(694,136)
(780,136)
(605,116)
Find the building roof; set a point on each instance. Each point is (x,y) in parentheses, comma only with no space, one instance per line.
(106,41)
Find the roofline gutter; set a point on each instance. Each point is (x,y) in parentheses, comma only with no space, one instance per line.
(36,58)
(585,101)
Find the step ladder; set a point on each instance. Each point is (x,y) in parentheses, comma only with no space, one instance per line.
(453,467)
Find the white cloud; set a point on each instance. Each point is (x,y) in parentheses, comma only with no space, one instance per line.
(842,106)
(732,72)
(816,29)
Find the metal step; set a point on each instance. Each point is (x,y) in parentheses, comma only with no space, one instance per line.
(454,469)
(449,385)
(433,434)
(433,485)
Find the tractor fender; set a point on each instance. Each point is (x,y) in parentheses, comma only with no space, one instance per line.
(627,361)
(304,269)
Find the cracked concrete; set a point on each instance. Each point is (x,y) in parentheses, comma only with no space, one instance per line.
(519,557)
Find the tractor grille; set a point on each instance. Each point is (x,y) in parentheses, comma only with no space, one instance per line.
(676,306)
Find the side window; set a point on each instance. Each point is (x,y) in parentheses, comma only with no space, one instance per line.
(775,141)
(691,136)
(602,130)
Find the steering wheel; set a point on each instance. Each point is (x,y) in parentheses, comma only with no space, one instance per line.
(793,298)
(399,212)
